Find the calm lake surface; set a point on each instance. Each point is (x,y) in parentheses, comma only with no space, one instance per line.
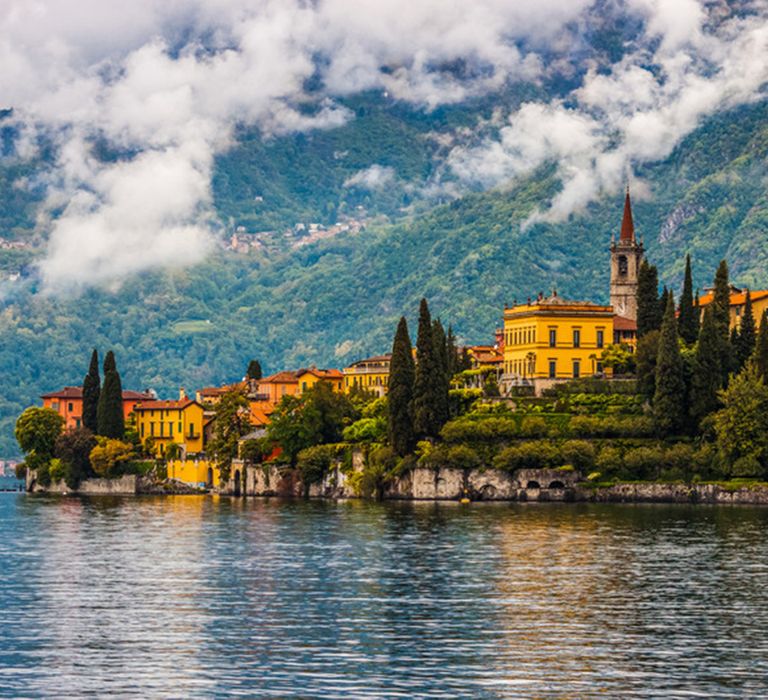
(207,597)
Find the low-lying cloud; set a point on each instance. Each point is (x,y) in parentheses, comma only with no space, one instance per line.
(164,83)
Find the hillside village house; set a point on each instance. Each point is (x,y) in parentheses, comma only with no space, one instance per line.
(737,302)
(68,403)
(370,374)
(165,423)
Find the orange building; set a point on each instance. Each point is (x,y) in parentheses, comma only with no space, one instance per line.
(738,301)
(68,403)
(270,390)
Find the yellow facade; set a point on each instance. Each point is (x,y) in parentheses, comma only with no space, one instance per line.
(197,472)
(308,378)
(737,304)
(371,374)
(551,339)
(168,422)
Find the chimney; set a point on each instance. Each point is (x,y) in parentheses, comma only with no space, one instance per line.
(182,394)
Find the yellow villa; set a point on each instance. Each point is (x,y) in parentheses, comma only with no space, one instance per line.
(179,422)
(551,339)
(371,374)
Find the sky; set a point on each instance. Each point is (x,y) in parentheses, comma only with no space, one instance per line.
(167,81)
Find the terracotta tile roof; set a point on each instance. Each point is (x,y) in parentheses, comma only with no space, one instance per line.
(284,377)
(165,405)
(375,358)
(736,299)
(76,392)
(627,225)
(622,323)
(322,373)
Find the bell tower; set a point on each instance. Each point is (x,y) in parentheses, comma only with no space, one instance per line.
(626,256)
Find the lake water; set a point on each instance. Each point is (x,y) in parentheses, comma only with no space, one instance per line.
(205,597)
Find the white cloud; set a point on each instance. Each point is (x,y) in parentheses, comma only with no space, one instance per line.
(373,178)
(166,81)
(638,112)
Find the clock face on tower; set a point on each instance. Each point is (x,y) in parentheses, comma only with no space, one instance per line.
(622,307)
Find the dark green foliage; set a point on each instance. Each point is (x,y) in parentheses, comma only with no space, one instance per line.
(442,372)
(91,391)
(317,417)
(747,338)
(452,353)
(578,453)
(73,448)
(721,314)
(254,370)
(430,377)
(663,299)
(400,395)
(647,351)
(669,396)
(741,425)
(688,321)
(37,430)
(648,313)
(232,422)
(536,454)
(109,414)
(451,457)
(707,377)
(761,348)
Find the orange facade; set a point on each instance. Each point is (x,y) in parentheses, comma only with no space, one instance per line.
(68,403)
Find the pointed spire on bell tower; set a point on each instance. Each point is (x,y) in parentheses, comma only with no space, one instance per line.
(627,225)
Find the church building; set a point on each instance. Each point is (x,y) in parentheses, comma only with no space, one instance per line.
(551,339)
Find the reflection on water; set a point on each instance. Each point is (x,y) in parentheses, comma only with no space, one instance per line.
(201,597)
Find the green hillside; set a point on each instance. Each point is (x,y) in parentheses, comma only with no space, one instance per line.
(337,300)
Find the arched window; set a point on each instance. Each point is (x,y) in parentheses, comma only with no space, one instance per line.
(623,265)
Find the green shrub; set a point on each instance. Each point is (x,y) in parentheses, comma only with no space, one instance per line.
(643,462)
(57,469)
(747,466)
(536,454)
(366,430)
(488,429)
(533,426)
(609,461)
(313,463)
(579,453)
(451,456)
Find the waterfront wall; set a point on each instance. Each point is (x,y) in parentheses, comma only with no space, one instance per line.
(126,485)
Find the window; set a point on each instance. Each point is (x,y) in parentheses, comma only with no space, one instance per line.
(170,429)
(152,428)
(623,265)
(576,338)
(599,367)
(181,430)
(191,430)
(552,369)
(142,430)
(77,422)
(600,338)
(553,337)
(70,406)
(576,369)
(55,405)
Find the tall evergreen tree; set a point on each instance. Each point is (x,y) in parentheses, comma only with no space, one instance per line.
(688,321)
(442,374)
(254,370)
(761,348)
(91,391)
(745,344)
(452,352)
(707,375)
(426,416)
(669,398)
(109,414)
(663,299)
(648,314)
(721,303)
(400,395)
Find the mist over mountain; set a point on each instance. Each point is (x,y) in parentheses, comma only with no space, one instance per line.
(470,156)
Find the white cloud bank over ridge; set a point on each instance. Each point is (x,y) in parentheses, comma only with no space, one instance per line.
(166,80)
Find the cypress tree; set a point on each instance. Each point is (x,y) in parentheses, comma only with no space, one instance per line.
(745,345)
(109,414)
(254,370)
(663,299)
(91,391)
(669,397)
(400,394)
(688,320)
(721,303)
(426,419)
(452,353)
(707,375)
(648,315)
(761,348)
(442,377)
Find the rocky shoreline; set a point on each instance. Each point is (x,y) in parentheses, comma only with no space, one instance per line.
(421,484)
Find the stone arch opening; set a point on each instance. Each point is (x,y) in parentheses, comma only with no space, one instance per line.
(556,485)
(533,485)
(209,480)
(237,482)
